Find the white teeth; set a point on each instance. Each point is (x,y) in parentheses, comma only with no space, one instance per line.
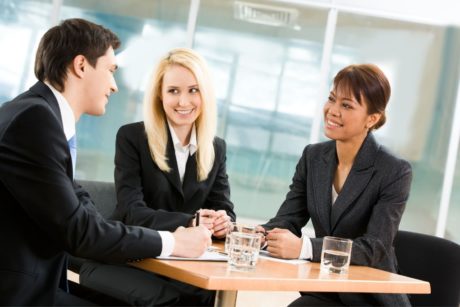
(333,124)
(184,112)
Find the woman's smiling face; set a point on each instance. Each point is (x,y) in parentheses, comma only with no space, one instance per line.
(181,96)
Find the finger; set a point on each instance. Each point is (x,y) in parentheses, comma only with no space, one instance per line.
(207,213)
(277,230)
(220,234)
(221,213)
(273,251)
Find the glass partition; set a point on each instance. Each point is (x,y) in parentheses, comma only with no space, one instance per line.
(422,71)
(22,23)
(266,59)
(147,29)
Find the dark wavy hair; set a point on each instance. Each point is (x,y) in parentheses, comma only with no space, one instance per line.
(366,82)
(62,43)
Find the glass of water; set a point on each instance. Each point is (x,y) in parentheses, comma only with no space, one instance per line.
(237,227)
(336,254)
(243,251)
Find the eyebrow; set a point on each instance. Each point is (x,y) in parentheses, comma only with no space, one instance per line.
(345,98)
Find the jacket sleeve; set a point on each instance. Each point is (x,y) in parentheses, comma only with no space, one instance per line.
(131,207)
(35,155)
(219,196)
(376,244)
(293,213)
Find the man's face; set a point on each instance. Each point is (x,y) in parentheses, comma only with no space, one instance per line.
(99,83)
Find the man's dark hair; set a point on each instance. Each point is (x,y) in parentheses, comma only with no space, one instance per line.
(62,43)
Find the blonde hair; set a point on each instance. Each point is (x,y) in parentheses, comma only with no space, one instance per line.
(155,117)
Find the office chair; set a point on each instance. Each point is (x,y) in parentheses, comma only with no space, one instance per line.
(432,259)
(104,198)
(103,195)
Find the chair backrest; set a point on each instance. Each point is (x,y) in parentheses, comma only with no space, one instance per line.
(104,198)
(103,195)
(432,259)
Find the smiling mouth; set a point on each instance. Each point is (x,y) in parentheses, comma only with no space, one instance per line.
(331,123)
(184,112)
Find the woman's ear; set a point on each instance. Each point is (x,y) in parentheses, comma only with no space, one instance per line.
(373,119)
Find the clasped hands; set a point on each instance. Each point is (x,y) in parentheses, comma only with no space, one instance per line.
(281,243)
(218,222)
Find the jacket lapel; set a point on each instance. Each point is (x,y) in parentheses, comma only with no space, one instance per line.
(357,180)
(173,174)
(323,171)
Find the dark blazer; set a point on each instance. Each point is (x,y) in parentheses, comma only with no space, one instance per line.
(44,214)
(149,197)
(367,210)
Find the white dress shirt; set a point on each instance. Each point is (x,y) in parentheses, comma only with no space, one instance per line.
(68,123)
(183,152)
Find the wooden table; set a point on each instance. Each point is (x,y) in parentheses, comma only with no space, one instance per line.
(276,276)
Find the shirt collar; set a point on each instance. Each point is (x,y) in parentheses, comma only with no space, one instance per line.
(67,116)
(192,145)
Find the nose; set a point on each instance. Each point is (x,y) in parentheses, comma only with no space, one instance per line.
(113,86)
(184,99)
(334,111)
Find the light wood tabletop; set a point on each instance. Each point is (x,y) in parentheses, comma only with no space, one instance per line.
(277,276)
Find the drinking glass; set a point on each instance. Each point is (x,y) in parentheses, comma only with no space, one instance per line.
(336,254)
(243,251)
(237,227)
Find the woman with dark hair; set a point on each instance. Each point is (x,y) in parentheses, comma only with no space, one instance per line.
(349,187)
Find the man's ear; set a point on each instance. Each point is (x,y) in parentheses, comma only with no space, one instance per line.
(78,66)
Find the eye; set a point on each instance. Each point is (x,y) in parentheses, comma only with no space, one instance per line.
(346,105)
(173,91)
(194,90)
(331,99)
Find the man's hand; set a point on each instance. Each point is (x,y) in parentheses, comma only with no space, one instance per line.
(191,242)
(221,224)
(283,244)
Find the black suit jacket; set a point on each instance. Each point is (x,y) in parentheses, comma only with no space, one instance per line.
(149,197)
(367,210)
(44,214)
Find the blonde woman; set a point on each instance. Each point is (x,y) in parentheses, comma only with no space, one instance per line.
(167,168)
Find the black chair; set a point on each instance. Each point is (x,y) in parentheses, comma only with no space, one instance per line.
(104,198)
(103,195)
(432,259)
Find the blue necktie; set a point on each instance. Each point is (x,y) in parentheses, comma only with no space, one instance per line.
(73,151)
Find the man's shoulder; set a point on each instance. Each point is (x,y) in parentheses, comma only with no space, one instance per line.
(22,105)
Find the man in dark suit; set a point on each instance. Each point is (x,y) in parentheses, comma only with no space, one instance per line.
(44,213)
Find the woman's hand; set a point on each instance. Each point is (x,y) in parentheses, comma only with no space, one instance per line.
(206,219)
(221,224)
(263,232)
(283,244)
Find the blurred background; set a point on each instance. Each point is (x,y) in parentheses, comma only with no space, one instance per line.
(272,63)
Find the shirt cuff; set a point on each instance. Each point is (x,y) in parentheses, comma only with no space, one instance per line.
(306,251)
(168,242)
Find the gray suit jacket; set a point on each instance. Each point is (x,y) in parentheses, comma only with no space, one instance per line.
(367,210)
